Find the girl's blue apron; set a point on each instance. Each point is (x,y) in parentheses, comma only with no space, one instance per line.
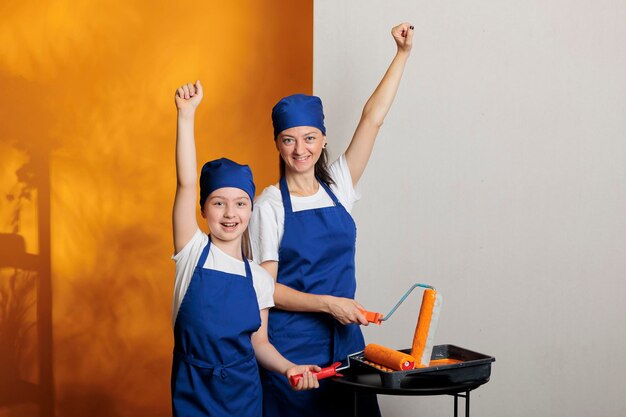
(316,256)
(214,371)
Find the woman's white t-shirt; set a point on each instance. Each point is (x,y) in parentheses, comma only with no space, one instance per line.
(187,259)
(267,224)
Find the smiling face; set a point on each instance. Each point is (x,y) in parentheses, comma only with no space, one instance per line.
(300,147)
(227,211)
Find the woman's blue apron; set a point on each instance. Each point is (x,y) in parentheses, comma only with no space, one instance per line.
(214,371)
(316,256)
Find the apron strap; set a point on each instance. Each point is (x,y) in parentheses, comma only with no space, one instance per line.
(284,192)
(248,270)
(330,193)
(205,253)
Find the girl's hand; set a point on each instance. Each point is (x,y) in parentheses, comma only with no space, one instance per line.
(403,35)
(346,311)
(308,380)
(188,96)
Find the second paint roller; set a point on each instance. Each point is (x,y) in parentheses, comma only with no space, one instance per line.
(424,337)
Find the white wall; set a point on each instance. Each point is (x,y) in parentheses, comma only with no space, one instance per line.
(500,178)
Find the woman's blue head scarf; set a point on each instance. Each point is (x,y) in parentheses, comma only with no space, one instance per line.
(298,110)
(222,173)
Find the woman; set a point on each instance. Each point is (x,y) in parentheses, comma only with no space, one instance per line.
(303,235)
(221,301)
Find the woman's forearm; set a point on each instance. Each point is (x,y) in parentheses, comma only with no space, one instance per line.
(378,105)
(344,310)
(287,298)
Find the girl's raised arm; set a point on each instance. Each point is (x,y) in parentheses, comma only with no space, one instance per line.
(187,98)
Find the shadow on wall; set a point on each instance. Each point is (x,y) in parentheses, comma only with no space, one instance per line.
(18,288)
(98,361)
(26,377)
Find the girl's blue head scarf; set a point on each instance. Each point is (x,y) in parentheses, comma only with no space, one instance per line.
(298,110)
(222,173)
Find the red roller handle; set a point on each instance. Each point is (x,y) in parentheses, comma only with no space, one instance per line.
(327,372)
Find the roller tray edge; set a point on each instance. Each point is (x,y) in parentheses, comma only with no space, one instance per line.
(475,367)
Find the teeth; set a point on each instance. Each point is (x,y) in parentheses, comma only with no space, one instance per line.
(230,224)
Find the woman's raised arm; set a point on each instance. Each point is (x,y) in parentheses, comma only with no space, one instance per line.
(378,105)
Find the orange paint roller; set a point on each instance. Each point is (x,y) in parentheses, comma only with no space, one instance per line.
(388,357)
(424,337)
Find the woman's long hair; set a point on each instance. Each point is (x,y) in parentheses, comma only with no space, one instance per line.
(321,168)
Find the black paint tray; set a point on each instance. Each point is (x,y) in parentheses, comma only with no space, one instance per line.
(475,367)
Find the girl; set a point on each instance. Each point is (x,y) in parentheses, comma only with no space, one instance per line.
(221,300)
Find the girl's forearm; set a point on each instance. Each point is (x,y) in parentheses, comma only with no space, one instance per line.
(269,358)
(186,165)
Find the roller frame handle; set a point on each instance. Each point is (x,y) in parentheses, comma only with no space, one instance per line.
(372,316)
(327,372)
(378,318)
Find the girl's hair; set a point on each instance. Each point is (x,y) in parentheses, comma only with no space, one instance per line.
(245,244)
(321,168)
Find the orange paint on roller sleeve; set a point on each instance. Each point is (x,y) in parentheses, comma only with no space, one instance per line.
(388,357)
(425,328)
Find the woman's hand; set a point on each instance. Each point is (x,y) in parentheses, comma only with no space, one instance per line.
(403,35)
(346,310)
(308,380)
(188,96)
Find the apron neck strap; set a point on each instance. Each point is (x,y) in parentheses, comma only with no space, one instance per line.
(284,192)
(245,261)
(330,193)
(205,254)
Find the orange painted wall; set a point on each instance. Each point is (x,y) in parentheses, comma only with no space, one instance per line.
(87,180)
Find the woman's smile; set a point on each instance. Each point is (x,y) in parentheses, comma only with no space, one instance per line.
(302,159)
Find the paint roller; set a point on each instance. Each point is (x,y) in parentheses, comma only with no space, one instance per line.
(381,355)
